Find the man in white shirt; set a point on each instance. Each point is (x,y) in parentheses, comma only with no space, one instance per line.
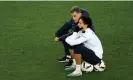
(86,46)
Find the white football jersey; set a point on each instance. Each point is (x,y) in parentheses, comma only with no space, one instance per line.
(89,40)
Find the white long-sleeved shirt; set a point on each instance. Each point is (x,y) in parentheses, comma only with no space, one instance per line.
(89,39)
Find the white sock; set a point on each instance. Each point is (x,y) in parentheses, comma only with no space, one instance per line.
(78,67)
(74,62)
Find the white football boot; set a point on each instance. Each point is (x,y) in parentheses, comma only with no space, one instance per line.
(100,66)
(72,67)
(75,73)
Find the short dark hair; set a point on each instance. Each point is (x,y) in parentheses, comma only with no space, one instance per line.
(76,9)
(86,20)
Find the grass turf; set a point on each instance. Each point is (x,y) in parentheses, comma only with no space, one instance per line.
(28,52)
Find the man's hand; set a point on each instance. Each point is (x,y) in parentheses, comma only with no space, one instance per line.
(56,39)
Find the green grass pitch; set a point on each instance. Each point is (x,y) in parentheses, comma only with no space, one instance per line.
(28,50)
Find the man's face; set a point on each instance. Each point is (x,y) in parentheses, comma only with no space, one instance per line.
(81,24)
(76,16)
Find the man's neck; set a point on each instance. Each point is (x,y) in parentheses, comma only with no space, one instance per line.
(84,28)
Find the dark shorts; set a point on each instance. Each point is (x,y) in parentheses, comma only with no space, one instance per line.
(87,54)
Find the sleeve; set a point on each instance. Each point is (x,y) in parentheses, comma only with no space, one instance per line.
(75,41)
(74,35)
(63,37)
(64,28)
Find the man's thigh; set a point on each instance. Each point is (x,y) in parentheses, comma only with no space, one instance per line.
(87,54)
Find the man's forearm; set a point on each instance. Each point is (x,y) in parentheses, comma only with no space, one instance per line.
(63,37)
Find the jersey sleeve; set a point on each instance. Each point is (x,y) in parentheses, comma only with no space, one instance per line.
(73,36)
(75,41)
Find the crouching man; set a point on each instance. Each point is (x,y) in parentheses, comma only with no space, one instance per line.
(86,46)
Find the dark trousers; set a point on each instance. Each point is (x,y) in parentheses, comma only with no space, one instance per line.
(66,48)
(65,45)
(87,54)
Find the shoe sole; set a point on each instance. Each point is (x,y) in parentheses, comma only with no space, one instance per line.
(67,66)
(63,61)
(68,69)
(74,75)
